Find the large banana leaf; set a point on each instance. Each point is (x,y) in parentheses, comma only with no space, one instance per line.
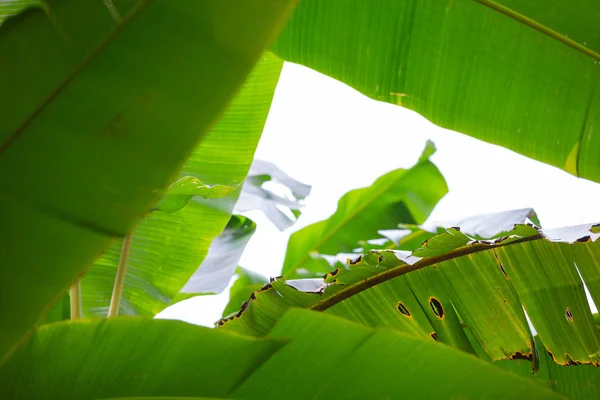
(304,357)
(100,108)
(246,281)
(224,254)
(400,196)
(521,74)
(455,281)
(167,248)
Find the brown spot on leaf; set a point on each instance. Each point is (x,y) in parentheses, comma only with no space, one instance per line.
(499,240)
(244,306)
(569,314)
(584,239)
(265,287)
(571,361)
(434,336)
(359,259)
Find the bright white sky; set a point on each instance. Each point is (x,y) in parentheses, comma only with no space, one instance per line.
(330,136)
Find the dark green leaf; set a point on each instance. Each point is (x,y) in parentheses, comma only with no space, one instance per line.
(10,8)
(131,357)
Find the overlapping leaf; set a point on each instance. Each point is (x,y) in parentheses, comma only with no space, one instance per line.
(224,254)
(133,357)
(456,279)
(169,247)
(100,107)
(258,194)
(246,281)
(400,196)
(520,74)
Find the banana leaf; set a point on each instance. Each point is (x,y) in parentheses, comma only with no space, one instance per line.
(102,103)
(400,196)
(168,248)
(520,74)
(455,282)
(135,357)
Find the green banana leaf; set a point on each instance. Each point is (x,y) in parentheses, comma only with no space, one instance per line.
(169,247)
(246,282)
(180,192)
(98,114)
(8,8)
(133,357)
(521,74)
(454,281)
(400,196)
(486,226)
(575,381)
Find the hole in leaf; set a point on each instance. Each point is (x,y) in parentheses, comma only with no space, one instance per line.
(436,307)
(569,314)
(403,310)
(434,336)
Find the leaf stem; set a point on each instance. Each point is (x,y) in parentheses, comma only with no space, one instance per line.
(115,300)
(75,299)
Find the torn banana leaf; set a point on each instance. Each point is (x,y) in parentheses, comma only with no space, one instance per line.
(454,279)
(258,194)
(520,74)
(142,358)
(400,196)
(246,282)
(574,381)
(485,226)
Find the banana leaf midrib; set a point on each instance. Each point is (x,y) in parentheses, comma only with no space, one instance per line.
(406,268)
(539,27)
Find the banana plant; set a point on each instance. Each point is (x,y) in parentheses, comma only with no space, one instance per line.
(471,294)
